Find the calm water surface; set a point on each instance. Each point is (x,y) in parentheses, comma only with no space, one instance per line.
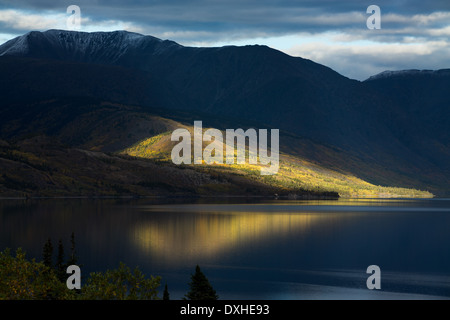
(265,250)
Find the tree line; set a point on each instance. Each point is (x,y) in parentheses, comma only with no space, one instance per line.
(24,279)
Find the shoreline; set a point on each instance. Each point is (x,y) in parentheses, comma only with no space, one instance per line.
(255,197)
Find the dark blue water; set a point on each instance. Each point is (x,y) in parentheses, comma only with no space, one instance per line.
(265,250)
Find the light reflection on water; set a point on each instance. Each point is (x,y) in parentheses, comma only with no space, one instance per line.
(267,250)
(187,237)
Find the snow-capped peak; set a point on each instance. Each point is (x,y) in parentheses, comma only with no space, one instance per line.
(390,74)
(83,46)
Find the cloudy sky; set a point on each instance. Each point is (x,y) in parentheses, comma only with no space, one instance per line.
(413,35)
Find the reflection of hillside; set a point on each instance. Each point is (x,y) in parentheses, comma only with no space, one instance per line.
(192,237)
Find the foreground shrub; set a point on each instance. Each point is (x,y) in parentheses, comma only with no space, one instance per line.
(21,279)
(121,284)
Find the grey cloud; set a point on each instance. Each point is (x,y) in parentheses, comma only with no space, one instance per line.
(331,6)
(238,18)
(362,62)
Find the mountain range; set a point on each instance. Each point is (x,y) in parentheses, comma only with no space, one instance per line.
(96,91)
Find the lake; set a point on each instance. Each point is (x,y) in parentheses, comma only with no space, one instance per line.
(266,249)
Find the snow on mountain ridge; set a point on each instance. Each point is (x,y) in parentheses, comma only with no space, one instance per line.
(90,47)
(389,73)
(15,46)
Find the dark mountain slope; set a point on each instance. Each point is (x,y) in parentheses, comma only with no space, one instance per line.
(253,83)
(30,80)
(422,102)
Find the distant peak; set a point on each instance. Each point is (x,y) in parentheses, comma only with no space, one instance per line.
(400,73)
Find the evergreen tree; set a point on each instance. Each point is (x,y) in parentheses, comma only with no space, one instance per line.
(200,288)
(166,295)
(73,259)
(60,266)
(47,254)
